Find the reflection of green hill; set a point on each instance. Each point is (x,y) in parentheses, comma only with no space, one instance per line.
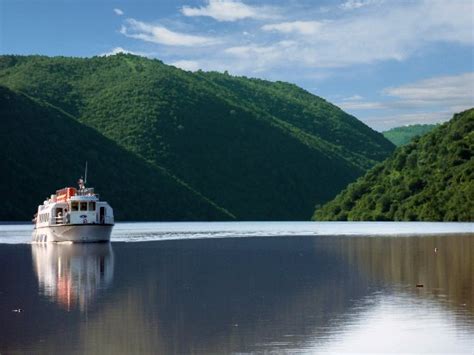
(44,149)
(430,179)
(261,150)
(407,261)
(229,296)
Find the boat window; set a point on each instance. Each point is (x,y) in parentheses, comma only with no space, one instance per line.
(74,206)
(83,206)
(91,206)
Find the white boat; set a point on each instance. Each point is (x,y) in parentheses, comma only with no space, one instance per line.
(73,215)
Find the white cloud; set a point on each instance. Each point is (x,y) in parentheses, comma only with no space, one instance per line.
(353,98)
(118,12)
(118,50)
(190,65)
(260,58)
(430,100)
(161,35)
(302,27)
(359,105)
(228,10)
(454,90)
(355,4)
(453,93)
(392,31)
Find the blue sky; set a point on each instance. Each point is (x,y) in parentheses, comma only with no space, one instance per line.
(389,63)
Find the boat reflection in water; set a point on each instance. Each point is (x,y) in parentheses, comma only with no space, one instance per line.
(73,274)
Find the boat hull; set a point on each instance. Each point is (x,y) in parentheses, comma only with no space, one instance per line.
(75,233)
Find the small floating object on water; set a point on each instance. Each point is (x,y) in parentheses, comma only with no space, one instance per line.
(420,285)
(435,250)
(19,310)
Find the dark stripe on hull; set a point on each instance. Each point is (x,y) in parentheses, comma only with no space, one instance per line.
(76,233)
(76,224)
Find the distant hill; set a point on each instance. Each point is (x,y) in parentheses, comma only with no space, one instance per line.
(403,135)
(44,149)
(260,150)
(429,179)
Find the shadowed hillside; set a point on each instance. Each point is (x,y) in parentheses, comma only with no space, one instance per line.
(44,149)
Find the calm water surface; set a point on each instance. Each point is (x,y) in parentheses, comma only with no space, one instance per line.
(241,288)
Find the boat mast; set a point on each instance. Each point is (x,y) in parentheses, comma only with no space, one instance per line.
(82,181)
(85,175)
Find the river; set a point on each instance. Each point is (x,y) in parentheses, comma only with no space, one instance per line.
(245,287)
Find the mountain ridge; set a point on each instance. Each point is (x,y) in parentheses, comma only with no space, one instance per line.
(256,154)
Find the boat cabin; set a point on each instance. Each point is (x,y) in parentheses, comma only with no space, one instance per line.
(74,206)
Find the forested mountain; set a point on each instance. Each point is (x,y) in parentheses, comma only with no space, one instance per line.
(429,179)
(261,150)
(403,135)
(44,149)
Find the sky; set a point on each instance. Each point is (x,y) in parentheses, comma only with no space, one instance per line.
(388,62)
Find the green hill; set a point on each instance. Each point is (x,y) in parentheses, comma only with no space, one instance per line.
(44,149)
(403,135)
(429,179)
(261,150)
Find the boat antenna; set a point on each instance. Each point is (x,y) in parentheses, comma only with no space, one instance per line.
(85,175)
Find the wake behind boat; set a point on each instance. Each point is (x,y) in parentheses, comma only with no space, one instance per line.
(73,215)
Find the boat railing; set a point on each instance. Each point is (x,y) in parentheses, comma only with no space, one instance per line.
(88,191)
